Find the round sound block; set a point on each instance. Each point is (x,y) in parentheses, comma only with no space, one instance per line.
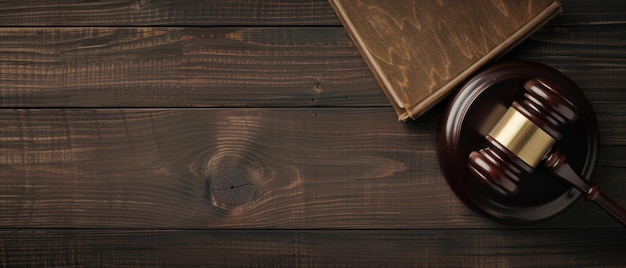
(477,107)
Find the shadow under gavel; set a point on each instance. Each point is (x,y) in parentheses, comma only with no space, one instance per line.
(524,138)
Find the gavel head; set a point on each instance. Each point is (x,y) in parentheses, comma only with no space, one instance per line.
(522,137)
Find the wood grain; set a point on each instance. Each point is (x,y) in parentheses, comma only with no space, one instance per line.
(165,12)
(238,168)
(284,248)
(303,164)
(182,67)
(581,12)
(420,52)
(248,67)
(234,13)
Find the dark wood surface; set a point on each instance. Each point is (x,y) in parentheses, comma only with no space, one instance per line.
(252,133)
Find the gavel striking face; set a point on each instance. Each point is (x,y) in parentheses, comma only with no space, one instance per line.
(524,137)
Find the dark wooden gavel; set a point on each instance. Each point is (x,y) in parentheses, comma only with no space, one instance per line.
(524,138)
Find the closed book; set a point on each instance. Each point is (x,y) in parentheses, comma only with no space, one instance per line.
(420,51)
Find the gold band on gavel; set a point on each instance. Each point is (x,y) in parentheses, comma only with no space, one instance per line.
(522,137)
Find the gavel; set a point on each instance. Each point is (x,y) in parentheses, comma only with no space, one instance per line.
(524,138)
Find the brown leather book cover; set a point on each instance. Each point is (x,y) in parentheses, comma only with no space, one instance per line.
(420,51)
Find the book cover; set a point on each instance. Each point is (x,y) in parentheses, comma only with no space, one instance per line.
(420,51)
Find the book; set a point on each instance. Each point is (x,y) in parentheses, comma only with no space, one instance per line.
(420,51)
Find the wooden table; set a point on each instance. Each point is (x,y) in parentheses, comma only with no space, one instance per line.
(252,133)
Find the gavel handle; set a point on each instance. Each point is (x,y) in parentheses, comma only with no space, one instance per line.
(611,207)
(557,163)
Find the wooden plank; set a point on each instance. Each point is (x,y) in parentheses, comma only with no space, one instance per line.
(241,168)
(183,67)
(564,45)
(241,13)
(166,12)
(365,248)
(585,12)
(248,67)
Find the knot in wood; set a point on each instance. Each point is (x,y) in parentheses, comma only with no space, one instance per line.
(232,180)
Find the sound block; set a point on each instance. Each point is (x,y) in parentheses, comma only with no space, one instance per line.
(477,107)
